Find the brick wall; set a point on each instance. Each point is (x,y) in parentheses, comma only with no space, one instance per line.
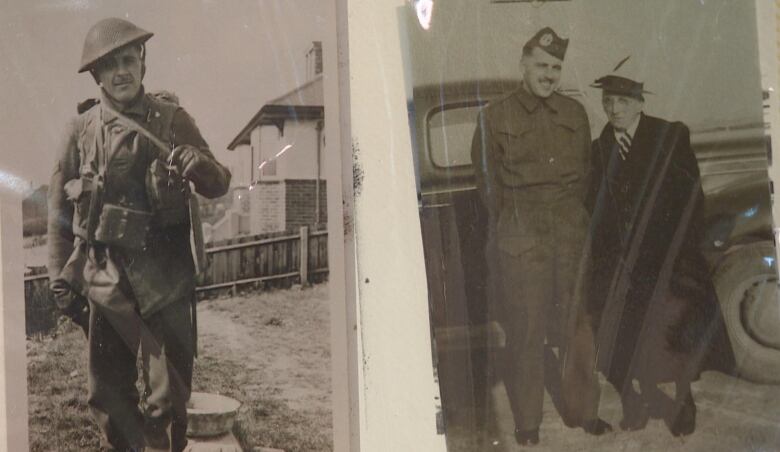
(300,203)
(267,211)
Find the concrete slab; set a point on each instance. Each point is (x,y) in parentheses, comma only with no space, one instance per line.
(224,443)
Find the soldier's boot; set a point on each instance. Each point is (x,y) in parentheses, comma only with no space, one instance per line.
(156,437)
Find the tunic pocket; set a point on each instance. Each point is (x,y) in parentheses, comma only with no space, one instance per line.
(518,145)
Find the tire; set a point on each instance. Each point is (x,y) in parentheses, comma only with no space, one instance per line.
(746,284)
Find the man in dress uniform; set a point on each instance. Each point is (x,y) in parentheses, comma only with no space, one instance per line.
(123,241)
(650,290)
(530,154)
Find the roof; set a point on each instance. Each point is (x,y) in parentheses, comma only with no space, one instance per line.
(310,93)
(302,103)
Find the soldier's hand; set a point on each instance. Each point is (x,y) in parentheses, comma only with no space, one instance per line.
(62,293)
(187,159)
(70,303)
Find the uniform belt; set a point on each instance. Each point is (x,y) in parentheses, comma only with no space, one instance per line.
(541,194)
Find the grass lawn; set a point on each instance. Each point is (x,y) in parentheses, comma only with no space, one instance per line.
(269,350)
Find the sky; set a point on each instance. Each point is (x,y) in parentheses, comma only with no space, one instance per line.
(699,57)
(224,59)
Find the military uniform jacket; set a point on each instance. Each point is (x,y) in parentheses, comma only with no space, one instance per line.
(161,272)
(530,155)
(619,195)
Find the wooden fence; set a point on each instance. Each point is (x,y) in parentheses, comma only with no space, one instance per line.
(286,258)
(271,260)
(40,314)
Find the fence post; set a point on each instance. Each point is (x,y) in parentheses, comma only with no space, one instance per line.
(304,256)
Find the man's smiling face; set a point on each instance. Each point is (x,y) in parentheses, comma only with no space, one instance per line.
(541,72)
(621,110)
(120,73)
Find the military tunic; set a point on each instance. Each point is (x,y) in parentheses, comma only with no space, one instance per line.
(531,164)
(137,296)
(163,271)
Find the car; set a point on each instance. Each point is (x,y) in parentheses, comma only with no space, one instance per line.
(738,240)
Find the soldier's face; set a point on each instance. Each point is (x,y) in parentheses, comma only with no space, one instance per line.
(541,72)
(120,73)
(621,110)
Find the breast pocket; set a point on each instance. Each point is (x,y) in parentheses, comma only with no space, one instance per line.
(518,144)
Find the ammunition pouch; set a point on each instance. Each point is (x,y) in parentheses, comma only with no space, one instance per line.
(123,227)
(167,194)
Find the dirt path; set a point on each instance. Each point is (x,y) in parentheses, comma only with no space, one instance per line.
(278,346)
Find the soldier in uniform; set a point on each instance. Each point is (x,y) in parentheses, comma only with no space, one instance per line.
(651,293)
(123,230)
(530,152)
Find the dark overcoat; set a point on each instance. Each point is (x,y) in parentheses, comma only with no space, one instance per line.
(650,293)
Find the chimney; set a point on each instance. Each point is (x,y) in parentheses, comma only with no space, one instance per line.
(314,60)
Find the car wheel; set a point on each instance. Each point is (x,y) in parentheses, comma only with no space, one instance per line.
(746,283)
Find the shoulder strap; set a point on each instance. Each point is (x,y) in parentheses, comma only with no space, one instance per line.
(196,234)
(162,147)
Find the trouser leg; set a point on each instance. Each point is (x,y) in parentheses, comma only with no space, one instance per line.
(113,397)
(168,360)
(682,419)
(635,409)
(526,288)
(579,381)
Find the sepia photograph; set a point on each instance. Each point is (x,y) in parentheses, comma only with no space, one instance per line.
(596,216)
(173,171)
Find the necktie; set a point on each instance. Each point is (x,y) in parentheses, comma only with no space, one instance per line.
(624,144)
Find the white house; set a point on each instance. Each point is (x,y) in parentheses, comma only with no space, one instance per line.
(279,168)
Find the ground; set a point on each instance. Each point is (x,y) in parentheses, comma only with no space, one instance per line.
(733,415)
(270,350)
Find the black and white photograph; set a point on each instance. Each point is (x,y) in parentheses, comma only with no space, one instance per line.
(171,162)
(596,217)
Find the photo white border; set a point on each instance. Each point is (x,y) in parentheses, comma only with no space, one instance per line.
(395,385)
(13,379)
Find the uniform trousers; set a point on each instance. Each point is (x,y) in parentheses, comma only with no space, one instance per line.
(165,342)
(536,286)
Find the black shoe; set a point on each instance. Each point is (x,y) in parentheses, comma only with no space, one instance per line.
(682,420)
(596,427)
(527,437)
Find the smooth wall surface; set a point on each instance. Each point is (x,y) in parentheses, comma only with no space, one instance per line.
(395,385)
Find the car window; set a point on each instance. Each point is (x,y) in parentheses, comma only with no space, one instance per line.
(450,131)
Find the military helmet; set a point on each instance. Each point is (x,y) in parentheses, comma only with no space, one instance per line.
(108,35)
